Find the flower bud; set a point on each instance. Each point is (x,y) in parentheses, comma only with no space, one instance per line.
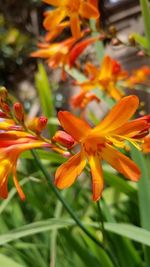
(41,124)
(113,31)
(131,40)
(19,111)
(63,138)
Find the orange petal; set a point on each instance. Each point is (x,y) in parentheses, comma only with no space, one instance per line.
(131,128)
(114,92)
(67,173)
(78,49)
(54,18)
(75,25)
(119,114)
(121,163)
(4,188)
(17,185)
(93,3)
(106,68)
(88,11)
(74,126)
(97,176)
(91,70)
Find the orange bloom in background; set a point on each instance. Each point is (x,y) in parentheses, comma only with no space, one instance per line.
(97,144)
(138,76)
(53,34)
(146,145)
(12,143)
(82,99)
(105,78)
(63,53)
(75,10)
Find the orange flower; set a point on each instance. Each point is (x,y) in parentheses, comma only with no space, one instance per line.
(82,99)
(97,145)
(72,9)
(51,35)
(63,53)
(138,76)
(12,143)
(105,78)
(146,145)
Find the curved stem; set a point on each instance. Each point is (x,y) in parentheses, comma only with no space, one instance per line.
(67,207)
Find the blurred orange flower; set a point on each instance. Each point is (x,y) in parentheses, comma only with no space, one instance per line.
(74,10)
(63,53)
(97,145)
(138,76)
(105,78)
(82,99)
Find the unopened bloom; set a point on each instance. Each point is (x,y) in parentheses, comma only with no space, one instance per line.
(63,139)
(72,9)
(97,144)
(105,78)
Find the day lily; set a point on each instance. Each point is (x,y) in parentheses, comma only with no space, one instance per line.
(105,78)
(138,76)
(63,53)
(74,10)
(97,144)
(12,144)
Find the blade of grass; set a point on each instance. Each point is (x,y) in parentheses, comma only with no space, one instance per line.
(45,94)
(146,17)
(143,194)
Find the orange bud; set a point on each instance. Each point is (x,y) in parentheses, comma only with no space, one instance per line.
(63,138)
(41,124)
(19,111)
(5,108)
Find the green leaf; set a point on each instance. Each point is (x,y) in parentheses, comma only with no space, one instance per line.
(117,182)
(99,47)
(144,194)
(52,157)
(85,255)
(146,18)
(34,228)
(121,243)
(7,262)
(45,94)
(132,232)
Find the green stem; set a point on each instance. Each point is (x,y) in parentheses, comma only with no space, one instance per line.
(102,221)
(146,17)
(67,207)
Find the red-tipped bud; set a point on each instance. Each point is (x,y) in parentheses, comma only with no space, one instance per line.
(6,108)
(63,138)
(41,124)
(19,111)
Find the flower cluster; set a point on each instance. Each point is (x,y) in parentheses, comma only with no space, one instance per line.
(96,144)
(107,140)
